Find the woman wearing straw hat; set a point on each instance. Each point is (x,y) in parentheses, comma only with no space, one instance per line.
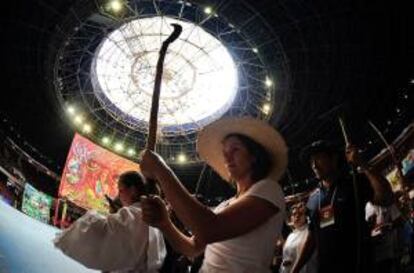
(238,235)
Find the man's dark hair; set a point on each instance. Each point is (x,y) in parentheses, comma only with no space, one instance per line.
(136,179)
(325,147)
(263,163)
(132,179)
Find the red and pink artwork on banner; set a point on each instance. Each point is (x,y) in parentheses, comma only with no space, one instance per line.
(91,172)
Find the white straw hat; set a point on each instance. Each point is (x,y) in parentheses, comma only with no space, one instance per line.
(209,143)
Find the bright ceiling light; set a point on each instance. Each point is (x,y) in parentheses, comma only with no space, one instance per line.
(105,140)
(71,110)
(181,158)
(268,82)
(266,108)
(255,50)
(131,152)
(200,79)
(115,5)
(119,147)
(208,10)
(87,128)
(78,119)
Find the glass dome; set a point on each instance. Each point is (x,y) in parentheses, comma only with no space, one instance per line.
(199,81)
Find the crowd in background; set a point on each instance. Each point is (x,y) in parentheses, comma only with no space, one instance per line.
(352,210)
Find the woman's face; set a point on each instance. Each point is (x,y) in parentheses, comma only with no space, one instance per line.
(298,217)
(238,159)
(127,196)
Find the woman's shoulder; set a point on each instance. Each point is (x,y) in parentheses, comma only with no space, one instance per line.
(266,185)
(270,190)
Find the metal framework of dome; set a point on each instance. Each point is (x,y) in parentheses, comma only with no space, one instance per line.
(104,63)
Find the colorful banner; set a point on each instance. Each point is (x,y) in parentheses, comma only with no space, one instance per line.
(407,169)
(394,180)
(36,204)
(408,163)
(91,172)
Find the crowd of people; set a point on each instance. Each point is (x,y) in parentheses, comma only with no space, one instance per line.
(351,222)
(355,222)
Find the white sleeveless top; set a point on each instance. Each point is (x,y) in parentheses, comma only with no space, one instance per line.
(251,252)
(291,251)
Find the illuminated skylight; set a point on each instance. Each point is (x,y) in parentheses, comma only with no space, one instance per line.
(199,81)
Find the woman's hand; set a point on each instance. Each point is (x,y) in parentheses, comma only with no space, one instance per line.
(151,164)
(154,211)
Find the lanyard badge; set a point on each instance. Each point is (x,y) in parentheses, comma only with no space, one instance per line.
(326,213)
(326,216)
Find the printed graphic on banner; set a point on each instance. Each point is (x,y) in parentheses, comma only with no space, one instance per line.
(407,169)
(408,163)
(394,180)
(91,172)
(36,204)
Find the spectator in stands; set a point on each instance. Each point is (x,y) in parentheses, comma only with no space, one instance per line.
(239,235)
(337,213)
(292,261)
(383,222)
(404,203)
(118,242)
(66,222)
(405,230)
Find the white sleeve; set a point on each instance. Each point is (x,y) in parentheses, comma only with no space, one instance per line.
(270,191)
(156,250)
(115,242)
(369,211)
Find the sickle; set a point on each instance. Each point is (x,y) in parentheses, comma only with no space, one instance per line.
(344,133)
(153,121)
(150,187)
(390,150)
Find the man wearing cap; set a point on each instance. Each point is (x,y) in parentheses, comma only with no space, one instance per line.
(337,206)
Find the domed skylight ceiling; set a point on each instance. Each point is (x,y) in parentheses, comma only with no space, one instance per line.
(199,81)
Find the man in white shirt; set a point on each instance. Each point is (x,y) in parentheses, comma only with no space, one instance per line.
(381,220)
(119,242)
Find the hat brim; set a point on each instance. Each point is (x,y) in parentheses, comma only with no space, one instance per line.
(209,143)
